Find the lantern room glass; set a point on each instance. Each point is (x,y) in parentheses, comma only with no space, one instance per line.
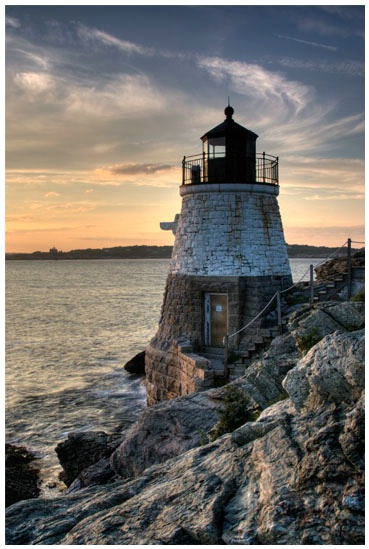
(215,147)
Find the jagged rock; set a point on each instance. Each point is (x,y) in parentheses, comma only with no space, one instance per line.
(81,450)
(293,477)
(165,430)
(169,429)
(353,436)
(316,382)
(98,473)
(309,325)
(21,474)
(263,378)
(327,270)
(136,365)
(172,427)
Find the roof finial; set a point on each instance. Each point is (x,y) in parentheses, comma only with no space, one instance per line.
(228,111)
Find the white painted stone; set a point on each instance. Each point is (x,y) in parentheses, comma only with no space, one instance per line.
(230,230)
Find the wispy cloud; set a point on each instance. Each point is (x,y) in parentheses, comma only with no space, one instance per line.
(286,111)
(92,34)
(307,42)
(34,82)
(38,60)
(324,28)
(260,84)
(351,68)
(134,169)
(12,22)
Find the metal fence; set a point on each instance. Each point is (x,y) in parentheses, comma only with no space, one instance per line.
(195,169)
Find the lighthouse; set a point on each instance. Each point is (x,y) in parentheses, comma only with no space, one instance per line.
(229,259)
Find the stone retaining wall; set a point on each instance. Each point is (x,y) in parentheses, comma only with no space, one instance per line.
(174,373)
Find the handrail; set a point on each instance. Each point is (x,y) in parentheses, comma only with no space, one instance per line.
(228,336)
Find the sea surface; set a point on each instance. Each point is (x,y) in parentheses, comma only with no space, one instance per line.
(70,328)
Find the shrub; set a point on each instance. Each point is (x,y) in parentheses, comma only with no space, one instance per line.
(306,341)
(234,413)
(360,296)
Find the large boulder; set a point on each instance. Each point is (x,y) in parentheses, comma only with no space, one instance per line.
(82,450)
(295,476)
(21,474)
(166,430)
(136,365)
(309,325)
(315,382)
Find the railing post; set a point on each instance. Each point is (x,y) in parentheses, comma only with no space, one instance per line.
(226,372)
(311,285)
(183,170)
(263,167)
(279,312)
(349,269)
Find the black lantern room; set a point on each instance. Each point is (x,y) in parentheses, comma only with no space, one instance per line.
(229,156)
(229,152)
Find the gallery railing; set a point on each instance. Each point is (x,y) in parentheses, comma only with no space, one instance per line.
(217,168)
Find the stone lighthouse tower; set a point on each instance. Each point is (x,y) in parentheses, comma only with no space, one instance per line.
(229,259)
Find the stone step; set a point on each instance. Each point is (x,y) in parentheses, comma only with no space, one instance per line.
(236,371)
(265,332)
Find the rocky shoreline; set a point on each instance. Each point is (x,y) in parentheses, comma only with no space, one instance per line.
(293,473)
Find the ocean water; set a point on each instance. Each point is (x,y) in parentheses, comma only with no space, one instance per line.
(70,328)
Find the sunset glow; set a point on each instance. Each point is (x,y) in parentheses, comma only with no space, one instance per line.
(103,102)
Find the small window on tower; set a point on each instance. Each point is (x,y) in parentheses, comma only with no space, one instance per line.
(217,148)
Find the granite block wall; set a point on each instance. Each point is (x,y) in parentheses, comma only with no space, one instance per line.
(227,233)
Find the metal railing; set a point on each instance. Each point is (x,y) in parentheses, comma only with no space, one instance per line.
(262,168)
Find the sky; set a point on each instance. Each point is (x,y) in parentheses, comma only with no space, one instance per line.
(103,102)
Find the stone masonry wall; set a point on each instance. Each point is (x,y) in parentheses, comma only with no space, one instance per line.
(171,369)
(175,372)
(228,233)
(229,240)
(182,314)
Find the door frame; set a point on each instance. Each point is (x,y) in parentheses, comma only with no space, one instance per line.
(208,317)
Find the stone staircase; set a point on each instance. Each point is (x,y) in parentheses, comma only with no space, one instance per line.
(257,343)
(324,290)
(255,347)
(216,357)
(329,289)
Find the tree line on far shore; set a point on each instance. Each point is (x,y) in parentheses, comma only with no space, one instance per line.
(153,252)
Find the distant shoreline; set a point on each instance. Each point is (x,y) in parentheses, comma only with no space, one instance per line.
(295,251)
